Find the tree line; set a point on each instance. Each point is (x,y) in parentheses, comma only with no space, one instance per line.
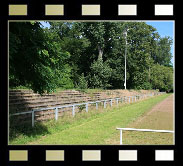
(88,55)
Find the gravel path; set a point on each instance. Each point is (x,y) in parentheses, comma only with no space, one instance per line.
(164,106)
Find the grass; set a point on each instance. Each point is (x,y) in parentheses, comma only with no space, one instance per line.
(160,120)
(97,127)
(157,120)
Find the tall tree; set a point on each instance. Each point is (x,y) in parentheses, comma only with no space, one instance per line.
(72,41)
(162,78)
(93,51)
(95,33)
(35,59)
(164,56)
(139,60)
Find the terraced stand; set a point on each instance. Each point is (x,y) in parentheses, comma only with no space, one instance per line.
(21,101)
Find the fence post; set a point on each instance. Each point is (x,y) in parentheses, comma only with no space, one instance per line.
(129,99)
(111,102)
(73,110)
(105,104)
(86,107)
(117,101)
(96,105)
(56,113)
(32,118)
(121,137)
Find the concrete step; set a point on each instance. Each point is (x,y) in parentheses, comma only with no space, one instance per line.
(45,105)
(24,92)
(39,97)
(44,98)
(35,96)
(28,95)
(48,101)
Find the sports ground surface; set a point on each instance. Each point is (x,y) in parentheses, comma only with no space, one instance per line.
(98,127)
(159,117)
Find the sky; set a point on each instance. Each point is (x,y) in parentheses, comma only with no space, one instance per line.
(164,28)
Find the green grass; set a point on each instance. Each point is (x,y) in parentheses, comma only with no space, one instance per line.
(95,127)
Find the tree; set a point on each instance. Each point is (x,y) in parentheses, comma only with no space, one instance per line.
(71,40)
(95,33)
(139,60)
(92,53)
(100,74)
(162,78)
(35,58)
(82,83)
(163,55)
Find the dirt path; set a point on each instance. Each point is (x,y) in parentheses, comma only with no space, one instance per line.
(160,117)
(166,107)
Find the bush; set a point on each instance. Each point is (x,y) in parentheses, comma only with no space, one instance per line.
(162,78)
(81,107)
(100,74)
(82,83)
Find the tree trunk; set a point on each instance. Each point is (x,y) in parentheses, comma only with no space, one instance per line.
(100,53)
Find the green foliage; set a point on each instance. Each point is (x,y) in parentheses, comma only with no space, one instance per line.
(65,80)
(82,82)
(100,74)
(71,41)
(163,55)
(162,78)
(95,32)
(139,60)
(35,57)
(87,55)
(81,107)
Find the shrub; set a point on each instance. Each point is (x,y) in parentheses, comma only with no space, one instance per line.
(82,83)
(100,74)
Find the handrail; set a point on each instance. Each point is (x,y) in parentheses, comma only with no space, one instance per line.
(85,103)
(145,130)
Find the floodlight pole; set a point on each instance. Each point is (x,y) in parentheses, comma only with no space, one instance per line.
(125,35)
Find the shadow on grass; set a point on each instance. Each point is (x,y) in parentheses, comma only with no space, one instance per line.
(19,101)
(26,129)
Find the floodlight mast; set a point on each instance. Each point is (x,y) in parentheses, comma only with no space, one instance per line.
(125,35)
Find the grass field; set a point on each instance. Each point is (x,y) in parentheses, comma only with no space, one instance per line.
(97,127)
